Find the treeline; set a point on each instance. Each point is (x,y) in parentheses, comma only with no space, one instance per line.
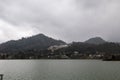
(85,48)
(75,50)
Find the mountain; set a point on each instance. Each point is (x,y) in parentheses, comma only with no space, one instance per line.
(95,40)
(39,42)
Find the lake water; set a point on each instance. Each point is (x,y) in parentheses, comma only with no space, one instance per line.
(60,70)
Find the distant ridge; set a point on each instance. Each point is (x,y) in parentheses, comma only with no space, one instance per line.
(39,42)
(95,40)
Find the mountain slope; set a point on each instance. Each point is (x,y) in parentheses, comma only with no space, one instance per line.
(39,41)
(95,40)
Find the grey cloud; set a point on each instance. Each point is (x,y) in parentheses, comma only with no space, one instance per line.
(69,20)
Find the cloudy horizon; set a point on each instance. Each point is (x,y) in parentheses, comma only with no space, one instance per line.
(68,20)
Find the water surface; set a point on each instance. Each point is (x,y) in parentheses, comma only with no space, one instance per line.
(60,70)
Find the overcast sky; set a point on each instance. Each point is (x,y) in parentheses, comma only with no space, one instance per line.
(68,20)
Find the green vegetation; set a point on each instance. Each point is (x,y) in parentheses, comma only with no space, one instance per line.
(43,47)
(76,50)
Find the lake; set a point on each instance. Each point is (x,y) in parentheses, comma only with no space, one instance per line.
(60,70)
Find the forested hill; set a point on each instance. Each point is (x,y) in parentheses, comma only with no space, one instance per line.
(43,47)
(95,40)
(39,41)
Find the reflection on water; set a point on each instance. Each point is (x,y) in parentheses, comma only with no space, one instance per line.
(60,70)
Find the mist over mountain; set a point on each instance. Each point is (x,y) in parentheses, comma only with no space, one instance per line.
(39,41)
(95,40)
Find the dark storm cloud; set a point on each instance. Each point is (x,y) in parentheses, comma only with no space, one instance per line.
(70,20)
